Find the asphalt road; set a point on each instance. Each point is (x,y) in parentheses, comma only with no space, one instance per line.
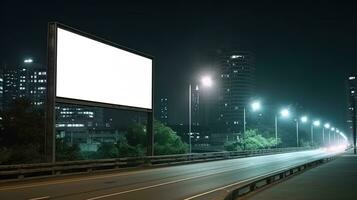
(185,182)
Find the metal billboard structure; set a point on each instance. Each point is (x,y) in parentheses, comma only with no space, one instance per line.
(146,106)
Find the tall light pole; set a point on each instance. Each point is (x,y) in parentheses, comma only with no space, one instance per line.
(303,119)
(317,124)
(255,106)
(329,134)
(334,135)
(207,82)
(284,113)
(326,126)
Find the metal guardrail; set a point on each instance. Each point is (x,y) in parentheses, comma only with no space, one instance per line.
(41,170)
(271,178)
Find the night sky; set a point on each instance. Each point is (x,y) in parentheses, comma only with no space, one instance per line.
(303,50)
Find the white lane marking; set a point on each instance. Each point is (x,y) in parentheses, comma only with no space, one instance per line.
(89,178)
(118,174)
(165,183)
(237,183)
(40,198)
(189,178)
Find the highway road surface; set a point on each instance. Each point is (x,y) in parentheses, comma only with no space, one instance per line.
(185,182)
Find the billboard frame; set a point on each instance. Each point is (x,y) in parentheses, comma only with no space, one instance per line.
(52,99)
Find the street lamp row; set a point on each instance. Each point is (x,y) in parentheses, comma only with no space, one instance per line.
(207,81)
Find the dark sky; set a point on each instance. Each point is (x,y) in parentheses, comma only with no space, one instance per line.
(303,49)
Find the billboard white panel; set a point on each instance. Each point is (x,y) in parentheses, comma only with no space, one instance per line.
(93,71)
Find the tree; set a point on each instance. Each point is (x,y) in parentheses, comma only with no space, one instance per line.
(251,141)
(108,150)
(167,141)
(22,133)
(66,152)
(136,135)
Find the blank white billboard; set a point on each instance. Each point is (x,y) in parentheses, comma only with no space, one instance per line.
(93,71)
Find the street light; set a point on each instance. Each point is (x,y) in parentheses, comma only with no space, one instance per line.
(255,106)
(206,82)
(317,124)
(303,119)
(326,126)
(329,134)
(334,135)
(285,114)
(29,60)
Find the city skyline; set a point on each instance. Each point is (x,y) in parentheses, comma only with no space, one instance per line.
(286,51)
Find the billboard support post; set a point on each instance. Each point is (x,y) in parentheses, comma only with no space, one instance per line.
(51,95)
(150,134)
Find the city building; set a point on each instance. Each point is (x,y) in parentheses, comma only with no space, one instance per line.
(164,118)
(1,93)
(195,107)
(28,81)
(33,78)
(84,126)
(352,100)
(237,76)
(74,124)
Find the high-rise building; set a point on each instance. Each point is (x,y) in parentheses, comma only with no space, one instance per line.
(1,92)
(33,78)
(10,87)
(237,87)
(25,81)
(164,118)
(195,105)
(352,97)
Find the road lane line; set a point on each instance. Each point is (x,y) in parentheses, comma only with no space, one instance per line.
(83,179)
(181,180)
(111,175)
(40,198)
(99,177)
(242,181)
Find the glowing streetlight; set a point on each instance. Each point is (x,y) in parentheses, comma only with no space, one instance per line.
(304,119)
(327,125)
(29,60)
(206,81)
(255,105)
(285,113)
(316,123)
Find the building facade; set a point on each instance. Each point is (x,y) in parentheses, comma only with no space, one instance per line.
(195,107)
(26,81)
(164,110)
(237,77)
(352,101)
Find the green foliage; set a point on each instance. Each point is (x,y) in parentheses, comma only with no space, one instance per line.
(167,141)
(233,146)
(22,134)
(252,140)
(66,152)
(108,150)
(136,134)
